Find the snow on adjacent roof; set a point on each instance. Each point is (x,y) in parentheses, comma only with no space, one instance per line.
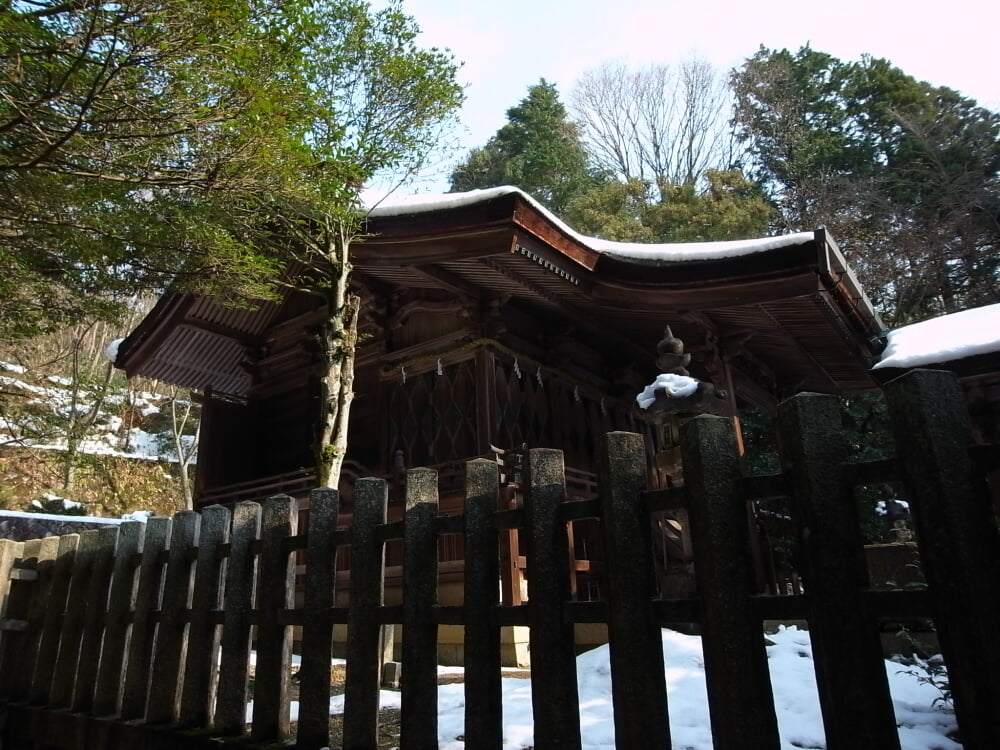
(943,339)
(649,253)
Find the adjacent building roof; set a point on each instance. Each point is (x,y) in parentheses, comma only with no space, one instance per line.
(945,339)
(966,342)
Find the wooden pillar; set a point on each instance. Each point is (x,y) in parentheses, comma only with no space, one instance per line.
(202,467)
(486,405)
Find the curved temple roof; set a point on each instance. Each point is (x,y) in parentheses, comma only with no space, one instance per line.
(787,309)
(645,253)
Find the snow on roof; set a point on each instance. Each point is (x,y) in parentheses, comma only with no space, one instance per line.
(943,339)
(652,254)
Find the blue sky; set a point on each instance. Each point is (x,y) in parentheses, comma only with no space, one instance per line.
(506,46)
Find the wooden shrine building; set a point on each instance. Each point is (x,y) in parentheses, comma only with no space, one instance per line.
(488,324)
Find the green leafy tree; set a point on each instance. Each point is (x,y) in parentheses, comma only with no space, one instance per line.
(614,210)
(904,173)
(123,130)
(538,150)
(382,102)
(208,145)
(731,207)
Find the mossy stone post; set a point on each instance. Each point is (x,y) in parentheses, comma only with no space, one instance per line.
(847,650)
(109,670)
(11,554)
(203,640)
(361,688)
(483,705)
(635,640)
(317,624)
(231,698)
(418,682)
(171,640)
(740,697)
(555,698)
(48,646)
(94,619)
(147,591)
(64,677)
(275,596)
(958,542)
(45,566)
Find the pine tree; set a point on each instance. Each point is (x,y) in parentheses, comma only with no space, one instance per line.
(538,150)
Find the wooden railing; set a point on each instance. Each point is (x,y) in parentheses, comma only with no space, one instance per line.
(140,636)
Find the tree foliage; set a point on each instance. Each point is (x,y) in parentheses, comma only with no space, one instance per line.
(210,145)
(645,170)
(153,141)
(730,206)
(538,150)
(904,173)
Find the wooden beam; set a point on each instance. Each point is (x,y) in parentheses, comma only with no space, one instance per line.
(447,279)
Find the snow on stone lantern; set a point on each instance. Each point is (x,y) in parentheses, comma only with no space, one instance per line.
(675,393)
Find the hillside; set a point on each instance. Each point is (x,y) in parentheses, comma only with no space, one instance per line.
(85,440)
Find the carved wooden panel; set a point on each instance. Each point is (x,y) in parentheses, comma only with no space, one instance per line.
(432,416)
(546,410)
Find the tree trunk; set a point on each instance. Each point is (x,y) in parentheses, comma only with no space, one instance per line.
(337,343)
(184,454)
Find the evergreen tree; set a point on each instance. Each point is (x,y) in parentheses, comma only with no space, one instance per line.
(904,173)
(538,150)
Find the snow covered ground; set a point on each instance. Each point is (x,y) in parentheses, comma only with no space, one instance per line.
(923,722)
(52,399)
